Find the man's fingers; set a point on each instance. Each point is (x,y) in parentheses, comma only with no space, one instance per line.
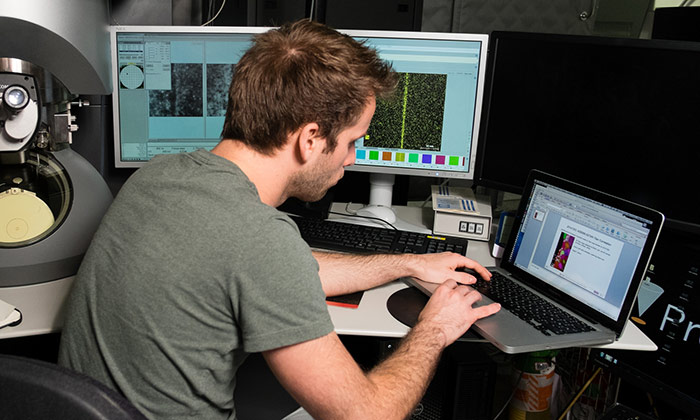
(477,268)
(472,297)
(464,278)
(450,283)
(487,310)
(462,289)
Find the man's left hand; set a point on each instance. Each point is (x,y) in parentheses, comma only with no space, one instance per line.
(436,268)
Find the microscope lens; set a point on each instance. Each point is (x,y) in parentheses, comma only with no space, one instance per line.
(16,97)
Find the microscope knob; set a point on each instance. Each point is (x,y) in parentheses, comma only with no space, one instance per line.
(22,125)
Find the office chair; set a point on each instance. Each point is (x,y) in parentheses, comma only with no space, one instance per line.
(37,390)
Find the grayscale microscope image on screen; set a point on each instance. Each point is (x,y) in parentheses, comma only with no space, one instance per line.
(173,88)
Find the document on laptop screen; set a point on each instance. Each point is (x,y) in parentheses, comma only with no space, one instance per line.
(579,246)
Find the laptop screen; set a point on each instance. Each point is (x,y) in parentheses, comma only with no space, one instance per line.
(579,246)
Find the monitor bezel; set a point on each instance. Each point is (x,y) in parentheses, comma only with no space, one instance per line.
(476,131)
(486,180)
(654,219)
(119,29)
(254,30)
(487,174)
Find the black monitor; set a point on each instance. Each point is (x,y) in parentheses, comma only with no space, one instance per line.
(664,382)
(393,15)
(619,115)
(680,23)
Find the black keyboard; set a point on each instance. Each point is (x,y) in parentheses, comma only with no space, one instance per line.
(529,307)
(353,238)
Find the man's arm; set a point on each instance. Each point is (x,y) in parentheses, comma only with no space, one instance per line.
(347,273)
(323,377)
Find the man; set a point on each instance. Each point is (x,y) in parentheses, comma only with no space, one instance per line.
(193,268)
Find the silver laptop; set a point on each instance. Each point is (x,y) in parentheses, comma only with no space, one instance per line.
(579,250)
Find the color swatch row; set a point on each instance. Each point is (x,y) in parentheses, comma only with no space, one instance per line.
(409,157)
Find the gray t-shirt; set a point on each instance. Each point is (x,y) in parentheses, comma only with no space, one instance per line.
(188,273)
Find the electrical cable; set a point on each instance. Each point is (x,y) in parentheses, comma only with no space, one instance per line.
(350,214)
(216,15)
(583,389)
(652,405)
(311,12)
(210,12)
(430,196)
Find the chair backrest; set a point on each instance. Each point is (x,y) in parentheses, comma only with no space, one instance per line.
(37,390)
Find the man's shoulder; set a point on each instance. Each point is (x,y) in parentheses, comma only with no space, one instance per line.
(268,222)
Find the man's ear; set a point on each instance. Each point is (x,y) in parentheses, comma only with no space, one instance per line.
(309,142)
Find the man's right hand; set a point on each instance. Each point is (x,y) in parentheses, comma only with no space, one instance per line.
(450,310)
(327,381)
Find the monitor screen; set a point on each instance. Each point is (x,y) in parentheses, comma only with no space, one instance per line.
(619,115)
(668,312)
(171,87)
(430,127)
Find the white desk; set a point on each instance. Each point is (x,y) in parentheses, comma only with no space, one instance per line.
(42,306)
(372,318)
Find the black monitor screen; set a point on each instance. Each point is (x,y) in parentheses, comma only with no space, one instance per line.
(668,312)
(620,115)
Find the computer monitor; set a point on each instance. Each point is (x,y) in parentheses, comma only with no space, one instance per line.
(431,127)
(171,87)
(667,311)
(619,115)
(171,91)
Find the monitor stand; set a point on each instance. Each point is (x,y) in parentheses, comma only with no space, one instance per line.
(379,207)
(381,187)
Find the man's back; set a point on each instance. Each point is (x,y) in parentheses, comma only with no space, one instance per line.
(187,248)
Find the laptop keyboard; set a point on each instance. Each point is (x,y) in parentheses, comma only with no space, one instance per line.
(529,307)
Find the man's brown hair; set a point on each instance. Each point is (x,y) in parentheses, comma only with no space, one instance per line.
(300,73)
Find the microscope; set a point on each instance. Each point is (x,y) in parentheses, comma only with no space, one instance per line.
(51,198)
